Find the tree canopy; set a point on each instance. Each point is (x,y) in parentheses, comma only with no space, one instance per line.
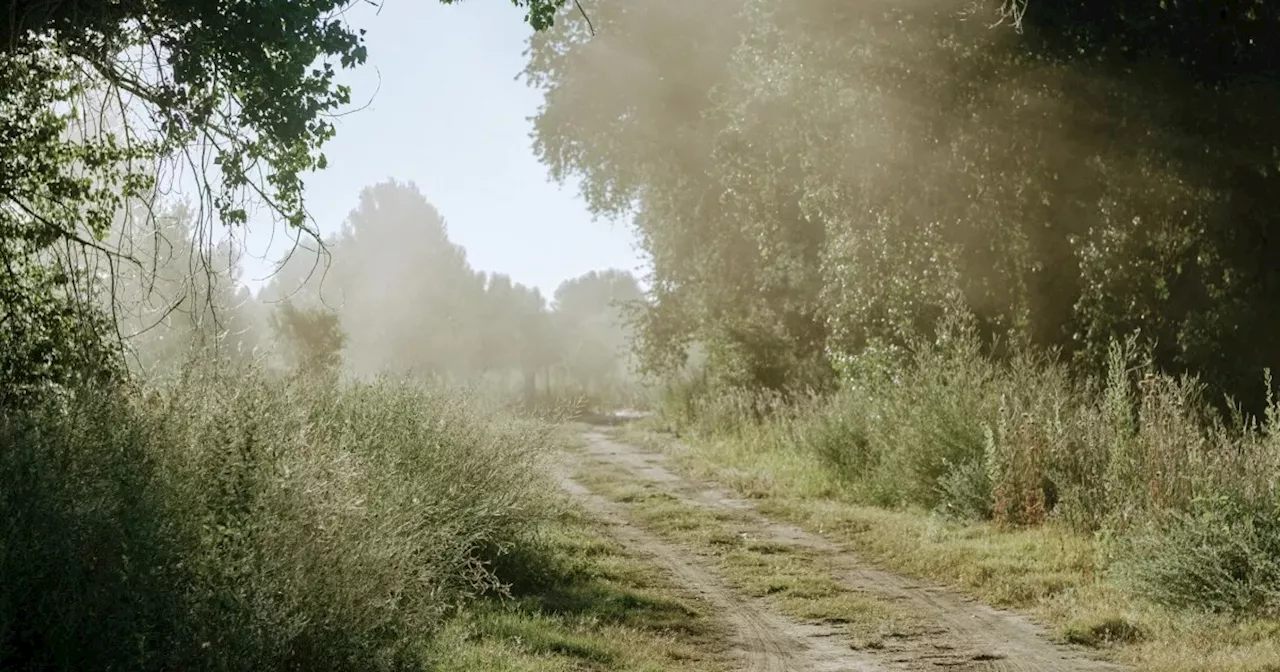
(103,103)
(810,177)
(410,303)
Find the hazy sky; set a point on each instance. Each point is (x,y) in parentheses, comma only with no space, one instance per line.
(448,113)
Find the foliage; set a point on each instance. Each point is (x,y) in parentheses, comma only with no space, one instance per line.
(50,338)
(175,299)
(238,522)
(590,314)
(524,333)
(99,101)
(411,303)
(1218,555)
(1186,494)
(255,81)
(312,337)
(594,294)
(692,192)
(161,77)
(811,178)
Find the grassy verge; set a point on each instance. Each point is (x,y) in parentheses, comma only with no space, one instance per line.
(241,521)
(579,601)
(1053,573)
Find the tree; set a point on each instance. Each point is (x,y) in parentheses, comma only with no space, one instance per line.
(809,177)
(254,81)
(518,334)
(312,337)
(97,97)
(178,298)
(406,295)
(634,112)
(590,314)
(596,293)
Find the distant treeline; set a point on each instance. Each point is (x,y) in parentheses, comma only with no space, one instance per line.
(410,303)
(390,293)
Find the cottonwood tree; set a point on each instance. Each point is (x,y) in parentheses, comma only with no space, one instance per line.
(98,98)
(590,313)
(809,177)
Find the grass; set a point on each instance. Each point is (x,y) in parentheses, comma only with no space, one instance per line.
(1009,567)
(1056,574)
(238,521)
(794,579)
(243,521)
(580,601)
(1125,509)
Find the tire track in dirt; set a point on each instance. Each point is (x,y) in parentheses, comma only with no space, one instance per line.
(764,641)
(958,633)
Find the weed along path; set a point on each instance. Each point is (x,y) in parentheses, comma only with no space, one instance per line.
(793,600)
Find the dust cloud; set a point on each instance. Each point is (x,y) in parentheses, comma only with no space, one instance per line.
(810,177)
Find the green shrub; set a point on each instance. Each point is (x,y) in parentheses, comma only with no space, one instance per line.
(92,559)
(933,422)
(1137,455)
(1219,554)
(840,435)
(236,522)
(692,404)
(909,429)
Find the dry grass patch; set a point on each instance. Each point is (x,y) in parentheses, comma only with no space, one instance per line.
(580,601)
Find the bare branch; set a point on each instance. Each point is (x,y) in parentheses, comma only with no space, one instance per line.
(590,27)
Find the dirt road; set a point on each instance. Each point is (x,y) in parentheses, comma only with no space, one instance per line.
(953,632)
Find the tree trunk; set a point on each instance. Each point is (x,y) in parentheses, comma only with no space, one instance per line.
(530,386)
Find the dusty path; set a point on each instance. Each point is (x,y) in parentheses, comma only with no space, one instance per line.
(956,633)
(764,641)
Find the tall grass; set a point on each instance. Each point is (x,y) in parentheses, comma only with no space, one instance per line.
(1185,498)
(241,522)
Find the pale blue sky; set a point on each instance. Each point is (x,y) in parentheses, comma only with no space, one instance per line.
(450,115)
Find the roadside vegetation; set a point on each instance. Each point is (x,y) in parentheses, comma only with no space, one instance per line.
(233,521)
(239,521)
(984,287)
(1128,511)
(196,476)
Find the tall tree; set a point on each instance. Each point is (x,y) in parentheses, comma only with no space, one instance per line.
(98,96)
(634,112)
(594,335)
(516,334)
(810,176)
(406,295)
